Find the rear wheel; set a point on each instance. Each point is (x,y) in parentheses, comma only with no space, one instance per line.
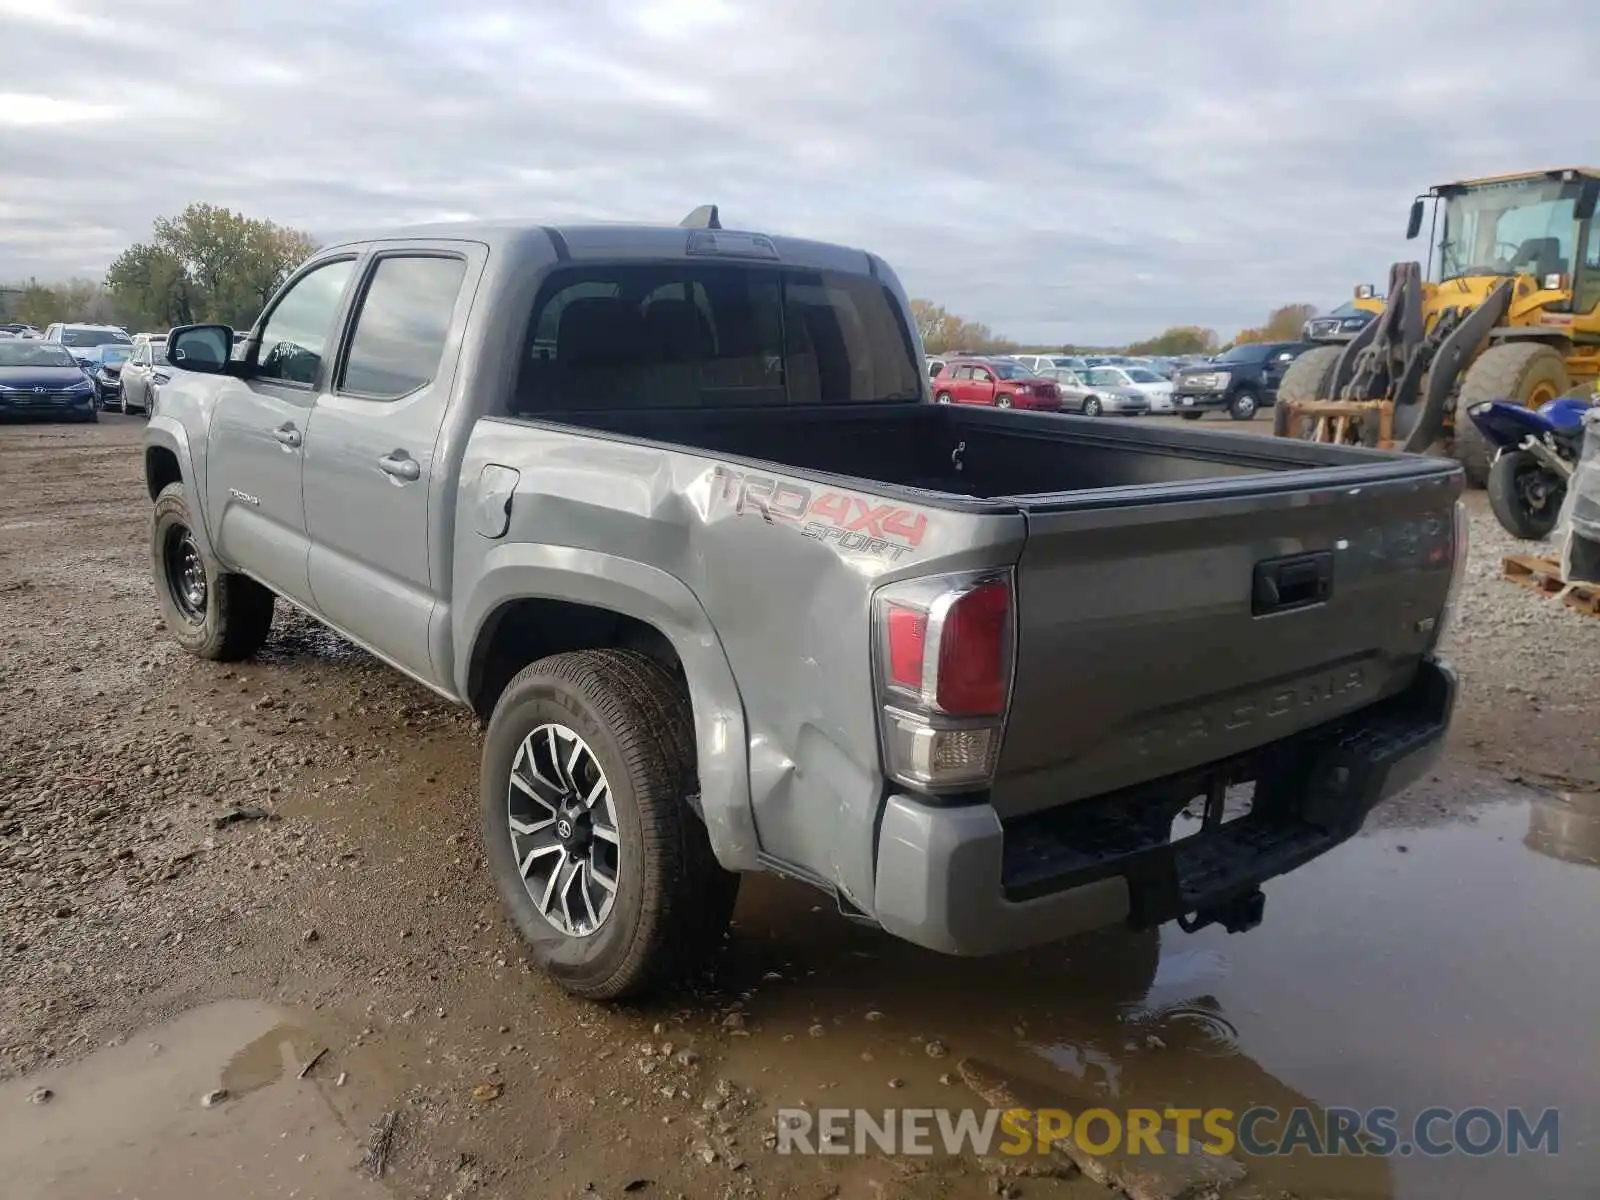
(1309,377)
(1524,495)
(1525,373)
(607,872)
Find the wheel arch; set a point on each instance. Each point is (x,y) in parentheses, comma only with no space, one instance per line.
(167,460)
(533,601)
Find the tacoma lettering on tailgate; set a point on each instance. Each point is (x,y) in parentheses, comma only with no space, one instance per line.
(861,524)
(1289,700)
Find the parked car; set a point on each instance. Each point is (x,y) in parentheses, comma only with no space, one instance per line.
(1156,390)
(74,335)
(1045,363)
(1340,325)
(933,365)
(104,366)
(731,596)
(18,329)
(146,370)
(1240,382)
(1078,395)
(999,382)
(42,379)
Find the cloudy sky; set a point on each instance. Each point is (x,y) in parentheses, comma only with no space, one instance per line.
(1087,172)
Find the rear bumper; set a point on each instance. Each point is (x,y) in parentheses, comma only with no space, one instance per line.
(958,880)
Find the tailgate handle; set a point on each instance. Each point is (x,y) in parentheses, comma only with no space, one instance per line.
(1295,582)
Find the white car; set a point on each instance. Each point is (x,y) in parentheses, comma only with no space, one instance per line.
(1045,363)
(1143,379)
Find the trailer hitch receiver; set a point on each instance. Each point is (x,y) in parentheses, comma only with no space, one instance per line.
(1238,915)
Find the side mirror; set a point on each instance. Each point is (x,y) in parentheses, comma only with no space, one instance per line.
(203,348)
(1414,225)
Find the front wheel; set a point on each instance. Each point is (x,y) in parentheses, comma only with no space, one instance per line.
(1002,401)
(210,612)
(1524,495)
(1243,406)
(1092,407)
(607,872)
(942,398)
(1191,416)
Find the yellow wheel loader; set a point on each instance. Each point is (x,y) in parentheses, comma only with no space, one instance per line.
(1511,312)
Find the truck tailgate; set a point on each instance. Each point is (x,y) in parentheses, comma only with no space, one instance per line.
(1164,629)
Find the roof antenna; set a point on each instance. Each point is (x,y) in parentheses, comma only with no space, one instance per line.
(704,217)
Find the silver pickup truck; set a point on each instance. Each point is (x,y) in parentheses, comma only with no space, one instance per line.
(672,510)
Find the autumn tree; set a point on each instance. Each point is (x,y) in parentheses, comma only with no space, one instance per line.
(1179,339)
(207,263)
(942,331)
(1285,324)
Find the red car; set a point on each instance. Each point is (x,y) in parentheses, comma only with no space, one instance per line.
(999,382)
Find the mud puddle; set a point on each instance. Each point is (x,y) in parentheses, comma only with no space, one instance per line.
(131,1121)
(1453,965)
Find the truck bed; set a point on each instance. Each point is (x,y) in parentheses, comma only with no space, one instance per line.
(1044,459)
(1147,646)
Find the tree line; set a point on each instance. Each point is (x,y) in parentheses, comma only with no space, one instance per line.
(943,332)
(205,264)
(213,264)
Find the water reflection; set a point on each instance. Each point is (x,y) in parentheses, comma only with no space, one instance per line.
(1566,827)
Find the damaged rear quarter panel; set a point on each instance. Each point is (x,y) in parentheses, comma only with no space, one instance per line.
(762,580)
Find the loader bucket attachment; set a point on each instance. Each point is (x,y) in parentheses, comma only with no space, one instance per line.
(1391,385)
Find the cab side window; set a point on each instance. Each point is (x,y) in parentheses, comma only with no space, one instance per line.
(296,335)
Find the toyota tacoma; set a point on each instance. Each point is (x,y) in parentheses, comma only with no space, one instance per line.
(671,508)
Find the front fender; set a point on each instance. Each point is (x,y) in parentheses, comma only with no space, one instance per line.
(169,433)
(528,572)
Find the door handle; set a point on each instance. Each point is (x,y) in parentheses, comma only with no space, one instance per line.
(400,465)
(287,434)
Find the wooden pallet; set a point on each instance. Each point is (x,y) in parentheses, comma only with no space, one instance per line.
(1543,575)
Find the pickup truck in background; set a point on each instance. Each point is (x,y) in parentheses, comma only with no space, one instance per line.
(672,510)
(1241,382)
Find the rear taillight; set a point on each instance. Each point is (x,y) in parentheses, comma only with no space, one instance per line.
(945,649)
(1458,549)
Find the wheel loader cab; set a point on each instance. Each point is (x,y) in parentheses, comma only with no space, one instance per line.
(1506,308)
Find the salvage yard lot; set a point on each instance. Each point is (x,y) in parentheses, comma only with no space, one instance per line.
(296,837)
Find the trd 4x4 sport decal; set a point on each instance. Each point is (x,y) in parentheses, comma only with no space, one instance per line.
(860,524)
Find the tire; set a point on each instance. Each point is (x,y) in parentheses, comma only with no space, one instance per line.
(1526,373)
(229,616)
(1092,407)
(1191,416)
(1512,496)
(1244,405)
(671,902)
(123,402)
(942,398)
(1309,377)
(1002,401)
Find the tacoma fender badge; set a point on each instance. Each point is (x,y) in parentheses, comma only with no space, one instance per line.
(244,497)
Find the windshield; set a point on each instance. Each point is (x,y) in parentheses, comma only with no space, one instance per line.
(1254,352)
(1525,226)
(34,354)
(1106,377)
(115,354)
(1141,375)
(1071,364)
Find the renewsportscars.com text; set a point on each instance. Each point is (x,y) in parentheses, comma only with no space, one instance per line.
(1255,1132)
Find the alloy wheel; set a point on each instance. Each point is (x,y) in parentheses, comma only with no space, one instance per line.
(562,820)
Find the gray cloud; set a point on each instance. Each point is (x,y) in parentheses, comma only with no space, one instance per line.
(1057,170)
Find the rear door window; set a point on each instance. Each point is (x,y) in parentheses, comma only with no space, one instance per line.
(703,336)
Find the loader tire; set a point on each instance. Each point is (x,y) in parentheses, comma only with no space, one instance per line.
(1309,377)
(1525,373)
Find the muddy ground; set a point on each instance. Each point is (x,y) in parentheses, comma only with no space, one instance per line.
(209,874)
